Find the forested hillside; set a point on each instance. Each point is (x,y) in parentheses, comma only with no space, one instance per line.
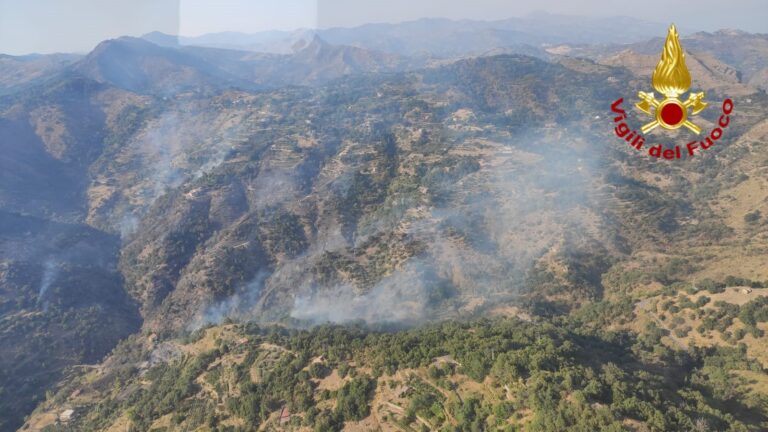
(336,237)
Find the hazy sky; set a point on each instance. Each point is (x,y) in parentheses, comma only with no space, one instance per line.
(77,25)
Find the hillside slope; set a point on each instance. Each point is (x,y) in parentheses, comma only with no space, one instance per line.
(490,185)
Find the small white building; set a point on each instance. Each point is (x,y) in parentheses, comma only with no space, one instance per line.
(66,415)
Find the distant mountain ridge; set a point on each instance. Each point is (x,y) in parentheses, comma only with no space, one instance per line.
(16,71)
(442,37)
(336,183)
(137,64)
(744,53)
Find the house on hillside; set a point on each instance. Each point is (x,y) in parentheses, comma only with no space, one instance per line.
(66,415)
(285,415)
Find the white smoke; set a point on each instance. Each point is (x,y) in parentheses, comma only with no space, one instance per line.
(50,272)
(499,221)
(400,297)
(128,225)
(238,306)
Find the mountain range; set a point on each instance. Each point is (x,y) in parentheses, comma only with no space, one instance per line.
(440,37)
(152,190)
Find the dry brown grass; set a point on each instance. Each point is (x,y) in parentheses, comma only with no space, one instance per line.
(332,382)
